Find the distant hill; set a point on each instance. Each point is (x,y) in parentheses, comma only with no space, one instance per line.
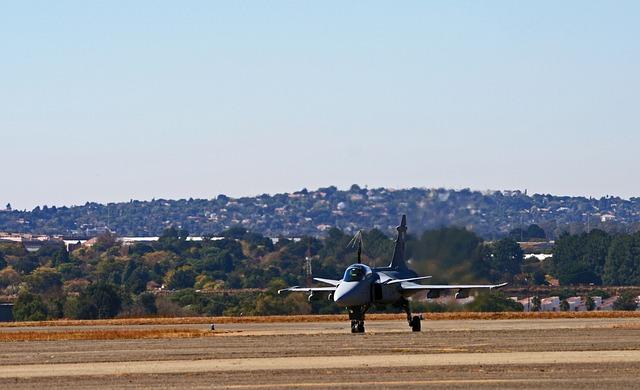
(489,214)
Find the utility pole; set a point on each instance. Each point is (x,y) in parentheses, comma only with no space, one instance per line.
(307,265)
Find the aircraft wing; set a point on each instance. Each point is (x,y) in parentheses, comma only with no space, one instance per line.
(395,281)
(408,286)
(327,281)
(308,289)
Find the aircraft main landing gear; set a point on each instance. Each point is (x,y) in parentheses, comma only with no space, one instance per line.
(415,324)
(414,321)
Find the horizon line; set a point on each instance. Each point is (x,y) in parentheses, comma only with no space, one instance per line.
(458,189)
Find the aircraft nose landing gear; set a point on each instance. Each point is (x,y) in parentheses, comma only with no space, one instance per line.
(357,326)
(356,315)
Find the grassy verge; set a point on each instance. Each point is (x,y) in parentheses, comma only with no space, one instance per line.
(119,334)
(325,318)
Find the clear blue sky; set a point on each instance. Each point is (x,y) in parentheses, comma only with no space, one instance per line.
(108,101)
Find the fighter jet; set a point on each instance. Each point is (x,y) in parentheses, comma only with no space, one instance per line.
(361,286)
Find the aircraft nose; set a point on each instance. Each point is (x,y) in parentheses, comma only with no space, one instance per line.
(340,297)
(348,295)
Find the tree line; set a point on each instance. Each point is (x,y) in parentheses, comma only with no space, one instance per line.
(597,258)
(215,276)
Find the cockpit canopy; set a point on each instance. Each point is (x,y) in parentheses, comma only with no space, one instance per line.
(356,273)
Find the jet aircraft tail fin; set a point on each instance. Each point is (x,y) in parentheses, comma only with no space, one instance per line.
(397,262)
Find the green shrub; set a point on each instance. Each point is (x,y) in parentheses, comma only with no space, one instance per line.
(99,300)
(626,301)
(493,302)
(29,307)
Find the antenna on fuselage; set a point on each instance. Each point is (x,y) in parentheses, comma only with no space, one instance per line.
(357,240)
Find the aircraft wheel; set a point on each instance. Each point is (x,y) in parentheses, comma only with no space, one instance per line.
(361,327)
(416,326)
(354,326)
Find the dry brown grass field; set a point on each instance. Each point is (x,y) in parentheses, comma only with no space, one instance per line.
(325,318)
(107,334)
(457,350)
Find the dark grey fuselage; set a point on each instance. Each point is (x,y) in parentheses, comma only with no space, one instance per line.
(372,288)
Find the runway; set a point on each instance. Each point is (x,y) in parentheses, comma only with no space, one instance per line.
(558,353)
(315,362)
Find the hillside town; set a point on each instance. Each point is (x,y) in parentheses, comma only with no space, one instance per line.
(490,214)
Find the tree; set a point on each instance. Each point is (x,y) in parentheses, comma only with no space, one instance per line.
(539,278)
(599,293)
(54,252)
(518,234)
(626,301)
(377,247)
(565,293)
(534,271)
(110,270)
(234,233)
(29,307)
(8,207)
(504,259)
(26,264)
(46,281)
(494,302)
(182,277)
(533,232)
(135,277)
(105,242)
(536,232)
(70,271)
(270,303)
(9,277)
(536,303)
(580,259)
(173,239)
(590,304)
(148,303)
(99,300)
(622,267)
(449,253)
